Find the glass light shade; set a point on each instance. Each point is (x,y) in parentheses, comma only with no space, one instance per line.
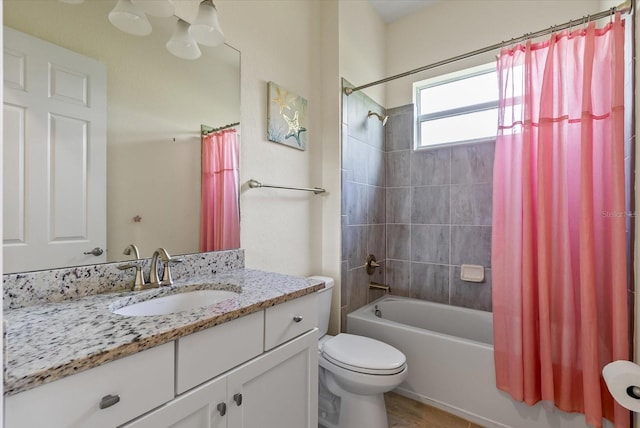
(181,44)
(205,29)
(159,8)
(126,17)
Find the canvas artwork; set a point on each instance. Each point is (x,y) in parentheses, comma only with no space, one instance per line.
(286,117)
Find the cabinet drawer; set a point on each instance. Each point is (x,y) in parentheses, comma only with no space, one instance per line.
(142,381)
(288,320)
(208,353)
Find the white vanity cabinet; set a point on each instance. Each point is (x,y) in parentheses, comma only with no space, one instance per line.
(256,371)
(278,389)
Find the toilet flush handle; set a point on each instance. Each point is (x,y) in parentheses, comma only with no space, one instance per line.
(297,318)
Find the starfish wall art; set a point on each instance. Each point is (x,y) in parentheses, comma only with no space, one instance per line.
(286,117)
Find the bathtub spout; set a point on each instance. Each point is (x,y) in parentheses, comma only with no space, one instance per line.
(378,286)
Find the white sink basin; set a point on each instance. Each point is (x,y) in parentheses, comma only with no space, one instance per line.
(176,303)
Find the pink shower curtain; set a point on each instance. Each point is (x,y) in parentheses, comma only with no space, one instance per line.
(220,215)
(558,255)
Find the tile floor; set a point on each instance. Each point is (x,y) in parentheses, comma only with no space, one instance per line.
(406,413)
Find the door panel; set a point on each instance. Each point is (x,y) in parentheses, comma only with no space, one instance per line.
(55,149)
(68,180)
(13,208)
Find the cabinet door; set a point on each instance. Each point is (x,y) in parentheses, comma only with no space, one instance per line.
(278,389)
(203,407)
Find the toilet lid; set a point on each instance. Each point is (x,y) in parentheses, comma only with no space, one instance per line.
(363,354)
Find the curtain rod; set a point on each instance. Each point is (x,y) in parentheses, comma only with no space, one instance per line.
(624,7)
(204,129)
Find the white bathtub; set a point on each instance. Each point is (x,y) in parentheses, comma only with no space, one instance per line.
(450,358)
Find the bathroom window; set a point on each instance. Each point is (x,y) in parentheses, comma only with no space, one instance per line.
(457,108)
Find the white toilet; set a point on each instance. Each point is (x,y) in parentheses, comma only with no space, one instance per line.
(354,373)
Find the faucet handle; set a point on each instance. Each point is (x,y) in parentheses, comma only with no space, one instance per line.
(131,248)
(166,274)
(372,264)
(138,283)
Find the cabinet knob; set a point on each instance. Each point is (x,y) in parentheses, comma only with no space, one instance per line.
(297,318)
(238,399)
(222,408)
(109,400)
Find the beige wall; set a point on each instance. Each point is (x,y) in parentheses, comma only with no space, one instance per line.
(306,46)
(331,159)
(295,44)
(363,47)
(281,230)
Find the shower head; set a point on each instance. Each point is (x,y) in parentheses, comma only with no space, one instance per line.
(381,118)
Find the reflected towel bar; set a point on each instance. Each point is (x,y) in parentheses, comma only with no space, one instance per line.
(254,184)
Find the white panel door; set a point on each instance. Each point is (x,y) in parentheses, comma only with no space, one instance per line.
(54,155)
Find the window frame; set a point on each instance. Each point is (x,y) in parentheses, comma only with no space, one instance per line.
(458,111)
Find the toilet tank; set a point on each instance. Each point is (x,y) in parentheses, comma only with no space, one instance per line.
(324,303)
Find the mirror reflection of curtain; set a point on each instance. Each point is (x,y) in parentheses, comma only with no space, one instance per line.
(220,213)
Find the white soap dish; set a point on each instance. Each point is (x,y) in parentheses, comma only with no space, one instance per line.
(472,273)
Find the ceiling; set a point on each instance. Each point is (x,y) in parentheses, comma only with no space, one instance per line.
(391,10)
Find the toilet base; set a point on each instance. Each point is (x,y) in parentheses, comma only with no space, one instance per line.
(357,411)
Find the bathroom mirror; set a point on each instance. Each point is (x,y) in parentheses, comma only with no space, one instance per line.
(156,104)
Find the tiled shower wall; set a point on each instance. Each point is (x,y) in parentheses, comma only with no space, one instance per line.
(438,216)
(363,199)
(421,213)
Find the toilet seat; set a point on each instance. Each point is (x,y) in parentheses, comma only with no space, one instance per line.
(363,355)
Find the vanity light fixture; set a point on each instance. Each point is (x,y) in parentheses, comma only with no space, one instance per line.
(205,29)
(128,18)
(181,44)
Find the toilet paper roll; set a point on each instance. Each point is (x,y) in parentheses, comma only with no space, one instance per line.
(623,380)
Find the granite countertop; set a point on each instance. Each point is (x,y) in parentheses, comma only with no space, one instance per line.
(49,341)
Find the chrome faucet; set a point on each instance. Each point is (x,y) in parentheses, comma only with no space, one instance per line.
(154,279)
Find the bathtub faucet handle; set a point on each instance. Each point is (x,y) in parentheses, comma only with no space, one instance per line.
(372,264)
